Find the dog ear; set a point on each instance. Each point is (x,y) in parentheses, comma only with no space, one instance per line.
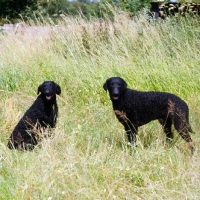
(105,86)
(58,89)
(39,89)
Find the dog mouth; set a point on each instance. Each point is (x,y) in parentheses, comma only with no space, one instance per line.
(48,97)
(115,96)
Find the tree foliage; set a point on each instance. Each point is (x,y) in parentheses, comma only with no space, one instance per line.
(12,9)
(133,6)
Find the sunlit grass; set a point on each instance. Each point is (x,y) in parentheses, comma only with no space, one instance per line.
(88,157)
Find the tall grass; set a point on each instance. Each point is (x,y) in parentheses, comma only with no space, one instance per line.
(87,157)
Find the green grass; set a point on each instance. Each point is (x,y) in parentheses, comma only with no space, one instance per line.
(88,157)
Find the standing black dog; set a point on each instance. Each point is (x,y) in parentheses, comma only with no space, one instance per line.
(134,109)
(42,113)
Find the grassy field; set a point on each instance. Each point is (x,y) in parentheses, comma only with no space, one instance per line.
(87,157)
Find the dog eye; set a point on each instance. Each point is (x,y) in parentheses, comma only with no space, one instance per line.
(119,85)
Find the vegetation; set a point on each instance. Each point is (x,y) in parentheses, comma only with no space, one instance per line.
(87,157)
(12,10)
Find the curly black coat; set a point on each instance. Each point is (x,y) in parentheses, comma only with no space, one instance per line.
(42,113)
(134,109)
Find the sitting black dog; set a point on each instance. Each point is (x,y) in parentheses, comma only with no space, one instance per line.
(134,109)
(42,114)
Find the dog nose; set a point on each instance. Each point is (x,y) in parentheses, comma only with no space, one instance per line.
(47,91)
(116,91)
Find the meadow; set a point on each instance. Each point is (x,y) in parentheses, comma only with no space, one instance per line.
(87,156)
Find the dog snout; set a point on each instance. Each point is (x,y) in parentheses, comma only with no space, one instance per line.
(115,93)
(47,91)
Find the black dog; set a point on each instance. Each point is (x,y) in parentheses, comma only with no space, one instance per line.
(134,109)
(41,114)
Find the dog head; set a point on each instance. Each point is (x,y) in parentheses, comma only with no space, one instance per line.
(116,86)
(49,89)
